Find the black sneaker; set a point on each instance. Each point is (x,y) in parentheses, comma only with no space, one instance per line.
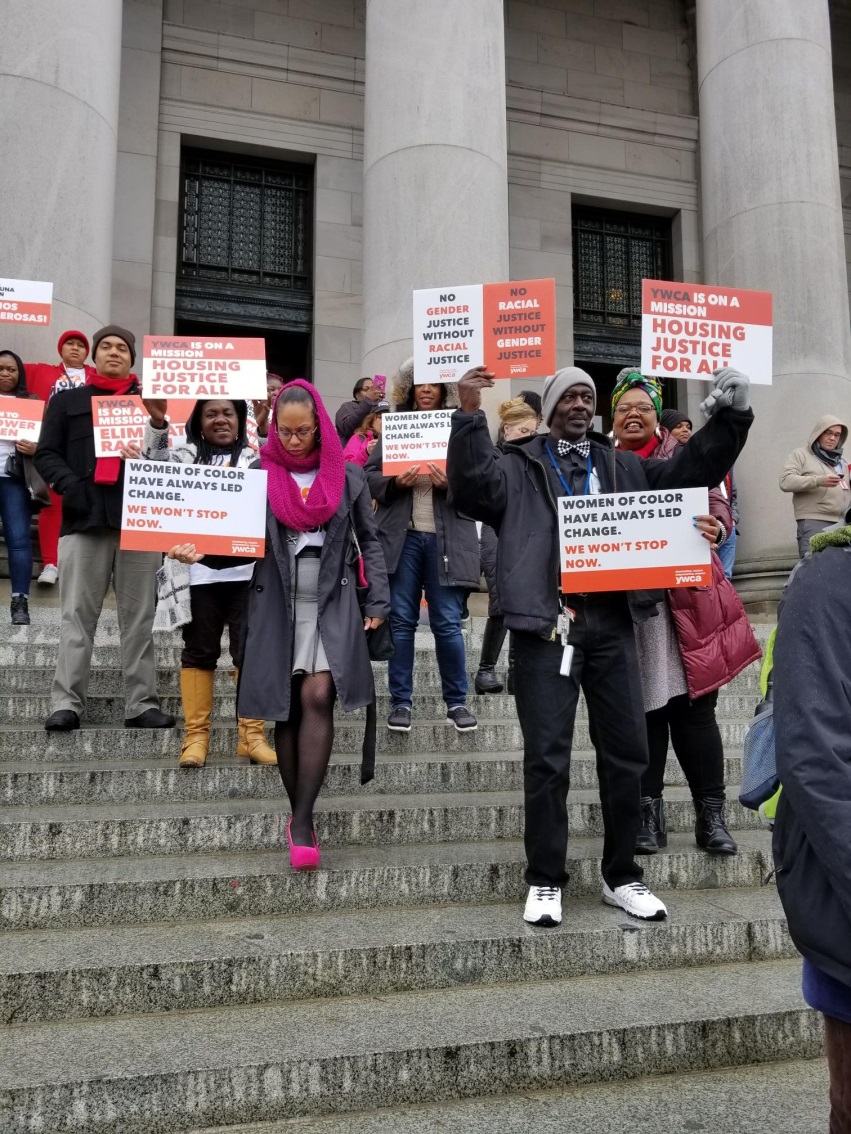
(399,719)
(462,718)
(20,610)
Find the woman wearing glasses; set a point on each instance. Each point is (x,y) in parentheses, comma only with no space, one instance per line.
(305,642)
(700,641)
(518,422)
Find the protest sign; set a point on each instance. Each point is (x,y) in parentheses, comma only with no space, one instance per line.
(20,418)
(26,301)
(121,420)
(221,510)
(196,368)
(508,327)
(418,438)
(624,541)
(692,330)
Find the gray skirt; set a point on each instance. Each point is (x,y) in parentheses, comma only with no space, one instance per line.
(308,651)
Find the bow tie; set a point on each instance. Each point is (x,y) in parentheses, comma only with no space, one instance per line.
(583,448)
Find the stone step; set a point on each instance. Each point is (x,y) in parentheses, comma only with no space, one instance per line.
(30,784)
(158,1073)
(31,670)
(113,830)
(107,742)
(27,707)
(73,974)
(781,1098)
(79,892)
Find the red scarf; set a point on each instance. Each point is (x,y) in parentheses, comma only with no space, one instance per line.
(647,449)
(108,469)
(325,493)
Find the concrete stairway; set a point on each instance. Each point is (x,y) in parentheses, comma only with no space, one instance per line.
(163,970)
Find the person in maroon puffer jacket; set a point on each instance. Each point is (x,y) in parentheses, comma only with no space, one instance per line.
(700,642)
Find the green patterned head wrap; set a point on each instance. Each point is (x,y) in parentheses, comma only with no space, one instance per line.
(630,379)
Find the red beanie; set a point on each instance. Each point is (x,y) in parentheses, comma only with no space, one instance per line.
(66,335)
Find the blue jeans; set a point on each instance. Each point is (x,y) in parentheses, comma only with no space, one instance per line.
(419,571)
(727,553)
(16,513)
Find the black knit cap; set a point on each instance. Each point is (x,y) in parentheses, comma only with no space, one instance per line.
(120,333)
(671,418)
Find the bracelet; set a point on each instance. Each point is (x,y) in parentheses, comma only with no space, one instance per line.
(722,534)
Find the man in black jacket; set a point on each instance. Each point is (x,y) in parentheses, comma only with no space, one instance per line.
(812,848)
(518,497)
(366,397)
(92,491)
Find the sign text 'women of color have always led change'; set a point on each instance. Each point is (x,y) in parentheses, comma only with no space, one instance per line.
(219,509)
(692,330)
(416,438)
(624,541)
(508,327)
(203,368)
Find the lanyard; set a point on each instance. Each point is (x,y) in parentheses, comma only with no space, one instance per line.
(564,483)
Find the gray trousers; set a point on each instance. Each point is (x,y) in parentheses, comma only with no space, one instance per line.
(807,528)
(88,563)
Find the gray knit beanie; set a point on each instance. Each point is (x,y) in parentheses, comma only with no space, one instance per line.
(559,383)
(119,333)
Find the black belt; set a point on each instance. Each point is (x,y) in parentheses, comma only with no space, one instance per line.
(310,552)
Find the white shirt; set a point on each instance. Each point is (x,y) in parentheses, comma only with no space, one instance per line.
(316,537)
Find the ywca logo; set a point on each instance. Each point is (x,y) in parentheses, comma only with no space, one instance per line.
(517,369)
(243,547)
(688,578)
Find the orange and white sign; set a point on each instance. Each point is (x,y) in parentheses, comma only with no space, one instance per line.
(221,510)
(629,541)
(203,368)
(692,330)
(508,327)
(20,418)
(26,301)
(121,420)
(418,438)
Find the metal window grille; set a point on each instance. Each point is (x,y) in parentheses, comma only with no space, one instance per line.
(245,223)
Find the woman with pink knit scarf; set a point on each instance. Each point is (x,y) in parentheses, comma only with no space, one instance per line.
(305,644)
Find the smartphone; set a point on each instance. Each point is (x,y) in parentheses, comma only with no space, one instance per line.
(379,382)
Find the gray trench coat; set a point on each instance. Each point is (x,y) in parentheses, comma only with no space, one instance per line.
(265,674)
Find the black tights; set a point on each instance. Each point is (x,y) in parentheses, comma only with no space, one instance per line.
(696,740)
(303,744)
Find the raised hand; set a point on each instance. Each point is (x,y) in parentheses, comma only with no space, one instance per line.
(470,388)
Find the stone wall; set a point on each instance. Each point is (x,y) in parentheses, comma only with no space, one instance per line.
(840,33)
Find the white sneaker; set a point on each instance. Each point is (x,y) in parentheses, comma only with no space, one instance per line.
(49,575)
(543,906)
(636,900)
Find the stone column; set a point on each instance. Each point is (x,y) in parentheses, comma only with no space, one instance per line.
(59,82)
(435,178)
(772,219)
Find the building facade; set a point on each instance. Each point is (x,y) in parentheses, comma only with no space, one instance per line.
(296,167)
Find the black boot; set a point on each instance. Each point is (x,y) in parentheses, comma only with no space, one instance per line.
(710,828)
(653,833)
(509,681)
(486,680)
(20,610)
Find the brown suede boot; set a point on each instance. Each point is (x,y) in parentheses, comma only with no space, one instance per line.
(252,739)
(196,690)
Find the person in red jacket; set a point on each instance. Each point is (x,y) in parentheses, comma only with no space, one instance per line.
(45,379)
(700,641)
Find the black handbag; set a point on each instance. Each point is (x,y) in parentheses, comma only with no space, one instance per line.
(22,469)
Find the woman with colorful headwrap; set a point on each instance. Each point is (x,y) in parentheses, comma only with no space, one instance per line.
(700,641)
(305,643)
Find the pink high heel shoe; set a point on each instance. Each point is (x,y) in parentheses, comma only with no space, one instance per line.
(303,858)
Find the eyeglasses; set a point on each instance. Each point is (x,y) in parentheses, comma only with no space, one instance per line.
(302,434)
(644,409)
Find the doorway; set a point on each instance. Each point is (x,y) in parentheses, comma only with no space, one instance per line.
(288,353)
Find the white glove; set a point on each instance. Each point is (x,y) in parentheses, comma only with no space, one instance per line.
(732,391)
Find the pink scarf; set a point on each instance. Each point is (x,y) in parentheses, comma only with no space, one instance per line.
(325,494)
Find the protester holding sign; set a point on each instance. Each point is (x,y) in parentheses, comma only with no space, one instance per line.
(817,475)
(46,379)
(89,554)
(700,641)
(428,547)
(218,586)
(564,641)
(16,501)
(305,643)
(365,397)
